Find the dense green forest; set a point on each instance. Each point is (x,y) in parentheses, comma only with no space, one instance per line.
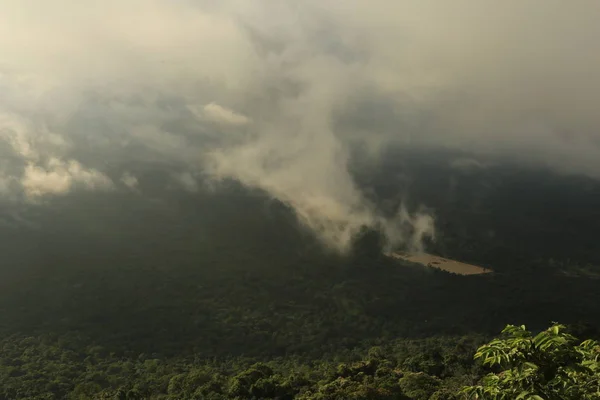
(48,367)
(222,295)
(553,364)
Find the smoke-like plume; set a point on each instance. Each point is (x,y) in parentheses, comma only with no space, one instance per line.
(305,166)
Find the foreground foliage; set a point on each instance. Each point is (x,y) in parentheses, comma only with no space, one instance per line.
(551,365)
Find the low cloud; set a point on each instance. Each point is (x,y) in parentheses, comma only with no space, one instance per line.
(44,172)
(308,172)
(5,184)
(187,182)
(27,139)
(221,115)
(129,180)
(59,177)
(467,164)
(275,95)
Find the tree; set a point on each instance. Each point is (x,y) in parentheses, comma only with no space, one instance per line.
(552,365)
(419,385)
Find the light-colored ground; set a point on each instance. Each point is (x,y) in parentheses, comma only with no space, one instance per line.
(442,263)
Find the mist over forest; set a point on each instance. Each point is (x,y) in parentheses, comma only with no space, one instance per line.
(219,199)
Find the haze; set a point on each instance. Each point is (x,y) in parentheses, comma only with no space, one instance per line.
(284,96)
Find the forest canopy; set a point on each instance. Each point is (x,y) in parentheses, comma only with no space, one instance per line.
(550,365)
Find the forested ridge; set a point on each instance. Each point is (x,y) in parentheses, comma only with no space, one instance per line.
(552,363)
(50,367)
(352,330)
(222,295)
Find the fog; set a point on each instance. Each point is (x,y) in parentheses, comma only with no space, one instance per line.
(278,96)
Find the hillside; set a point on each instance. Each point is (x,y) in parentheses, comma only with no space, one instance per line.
(225,279)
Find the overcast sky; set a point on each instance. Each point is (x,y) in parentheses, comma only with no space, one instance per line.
(273,93)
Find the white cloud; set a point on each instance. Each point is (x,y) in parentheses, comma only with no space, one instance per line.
(38,181)
(89,178)
(59,177)
(16,133)
(45,172)
(122,43)
(219,114)
(28,140)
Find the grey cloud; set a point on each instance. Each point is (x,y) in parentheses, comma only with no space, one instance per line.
(5,185)
(274,94)
(467,164)
(187,181)
(130,180)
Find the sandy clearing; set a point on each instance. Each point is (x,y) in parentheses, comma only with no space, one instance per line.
(442,263)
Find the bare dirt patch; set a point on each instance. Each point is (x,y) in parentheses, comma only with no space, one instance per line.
(445,264)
